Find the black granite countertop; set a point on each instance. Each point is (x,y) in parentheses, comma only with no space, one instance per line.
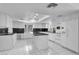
(6,34)
(39,34)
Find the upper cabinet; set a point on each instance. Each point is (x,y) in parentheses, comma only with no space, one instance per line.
(6,22)
(9,21)
(3,20)
(17,24)
(40,25)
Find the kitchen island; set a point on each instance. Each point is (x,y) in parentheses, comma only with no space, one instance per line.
(41,40)
(7,41)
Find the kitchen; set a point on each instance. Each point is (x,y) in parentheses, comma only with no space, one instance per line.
(39,29)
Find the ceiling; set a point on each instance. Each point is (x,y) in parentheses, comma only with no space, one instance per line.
(27,10)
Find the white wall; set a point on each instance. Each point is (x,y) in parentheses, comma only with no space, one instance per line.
(72,35)
(70,39)
(9,24)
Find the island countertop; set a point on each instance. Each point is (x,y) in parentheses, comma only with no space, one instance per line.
(40,33)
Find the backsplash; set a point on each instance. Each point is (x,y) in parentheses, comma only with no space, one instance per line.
(40,29)
(18,30)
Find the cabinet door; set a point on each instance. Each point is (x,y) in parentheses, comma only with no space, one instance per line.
(2,20)
(9,24)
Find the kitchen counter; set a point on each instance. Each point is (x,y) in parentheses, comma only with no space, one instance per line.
(40,33)
(7,41)
(6,34)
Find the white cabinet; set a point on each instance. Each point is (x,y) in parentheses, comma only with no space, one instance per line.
(7,42)
(3,20)
(40,25)
(6,22)
(17,24)
(9,24)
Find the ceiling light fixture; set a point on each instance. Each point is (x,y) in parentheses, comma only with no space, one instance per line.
(52,5)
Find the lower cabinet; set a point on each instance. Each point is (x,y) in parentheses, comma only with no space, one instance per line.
(7,41)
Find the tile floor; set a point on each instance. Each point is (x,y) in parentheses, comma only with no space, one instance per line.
(21,48)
